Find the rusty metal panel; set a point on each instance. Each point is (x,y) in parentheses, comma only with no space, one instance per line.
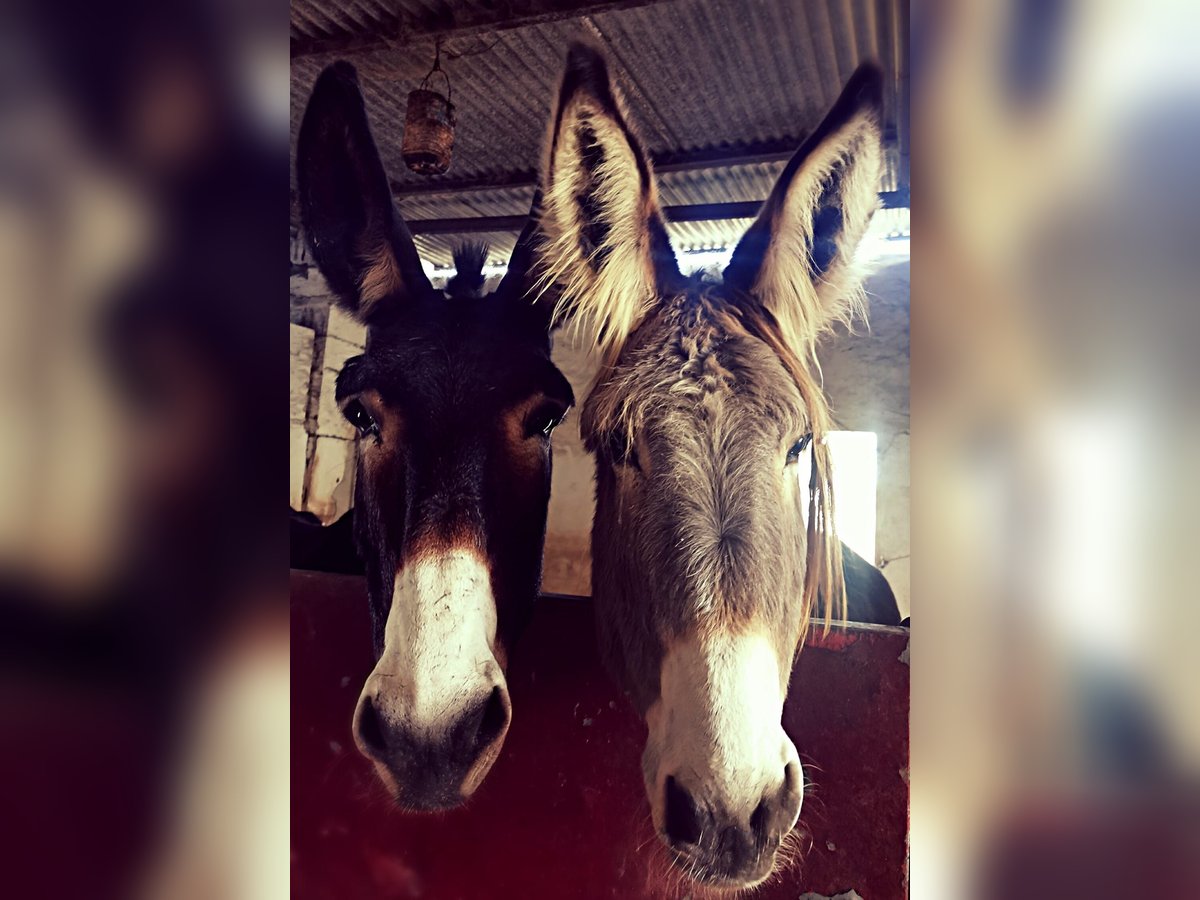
(563,813)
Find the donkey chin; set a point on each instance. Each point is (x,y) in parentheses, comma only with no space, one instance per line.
(434,713)
(723,778)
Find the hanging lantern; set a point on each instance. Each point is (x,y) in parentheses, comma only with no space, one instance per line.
(429,125)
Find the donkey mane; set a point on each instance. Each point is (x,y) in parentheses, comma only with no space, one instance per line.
(824,578)
(698,322)
(469,260)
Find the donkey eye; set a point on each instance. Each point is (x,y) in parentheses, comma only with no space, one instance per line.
(622,452)
(793,454)
(544,420)
(358,416)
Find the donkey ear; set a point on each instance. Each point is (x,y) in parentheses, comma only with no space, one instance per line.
(359,241)
(604,246)
(518,282)
(798,256)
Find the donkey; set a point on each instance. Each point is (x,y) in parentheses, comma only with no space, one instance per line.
(454,400)
(709,553)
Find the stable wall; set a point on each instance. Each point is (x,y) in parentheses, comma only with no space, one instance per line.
(865,375)
(866,380)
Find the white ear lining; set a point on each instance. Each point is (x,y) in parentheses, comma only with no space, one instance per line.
(803,306)
(603,293)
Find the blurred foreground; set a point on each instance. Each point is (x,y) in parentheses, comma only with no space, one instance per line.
(143,355)
(1056,430)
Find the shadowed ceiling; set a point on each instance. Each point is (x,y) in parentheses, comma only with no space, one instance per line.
(721,91)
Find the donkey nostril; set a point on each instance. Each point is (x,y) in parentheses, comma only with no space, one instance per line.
(793,776)
(681,818)
(777,810)
(760,820)
(495,718)
(370,730)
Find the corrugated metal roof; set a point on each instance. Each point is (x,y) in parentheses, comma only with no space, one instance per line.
(700,75)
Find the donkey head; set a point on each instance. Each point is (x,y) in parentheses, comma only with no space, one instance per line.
(454,401)
(713,534)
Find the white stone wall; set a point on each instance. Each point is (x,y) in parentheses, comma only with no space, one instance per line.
(866,380)
(322,441)
(567,566)
(301,372)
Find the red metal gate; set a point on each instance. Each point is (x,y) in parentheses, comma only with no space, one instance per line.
(563,812)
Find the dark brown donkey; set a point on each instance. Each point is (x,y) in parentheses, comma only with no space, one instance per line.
(713,538)
(454,400)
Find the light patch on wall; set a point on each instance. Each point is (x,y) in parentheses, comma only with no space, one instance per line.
(692,261)
(855,476)
(886,240)
(439,276)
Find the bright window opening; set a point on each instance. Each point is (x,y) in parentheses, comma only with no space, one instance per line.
(855,476)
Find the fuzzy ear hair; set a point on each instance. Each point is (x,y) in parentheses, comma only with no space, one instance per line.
(359,241)
(798,256)
(604,247)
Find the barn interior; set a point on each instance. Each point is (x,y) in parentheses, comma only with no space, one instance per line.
(722,93)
